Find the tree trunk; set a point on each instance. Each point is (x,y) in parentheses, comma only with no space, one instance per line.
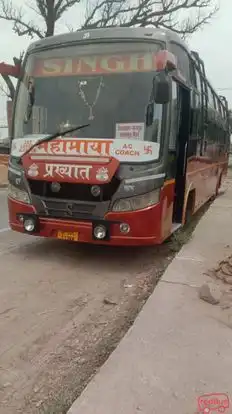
(9,108)
(50,20)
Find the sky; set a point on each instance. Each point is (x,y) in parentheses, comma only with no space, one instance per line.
(213,43)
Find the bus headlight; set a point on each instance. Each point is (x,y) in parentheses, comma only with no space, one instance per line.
(19,195)
(137,202)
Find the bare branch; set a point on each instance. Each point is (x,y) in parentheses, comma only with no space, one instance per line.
(15,15)
(181,16)
(69,27)
(10,86)
(156,13)
(4,91)
(49,10)
(63,6)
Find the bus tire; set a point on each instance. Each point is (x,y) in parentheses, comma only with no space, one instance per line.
(189,207)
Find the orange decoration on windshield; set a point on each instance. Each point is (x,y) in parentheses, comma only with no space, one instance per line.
(85,65)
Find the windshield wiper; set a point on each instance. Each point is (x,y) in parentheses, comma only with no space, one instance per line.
(50,137)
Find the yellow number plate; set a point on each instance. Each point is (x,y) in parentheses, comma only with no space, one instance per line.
(66,235)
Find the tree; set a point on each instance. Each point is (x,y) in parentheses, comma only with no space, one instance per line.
(182,16)
(230,120)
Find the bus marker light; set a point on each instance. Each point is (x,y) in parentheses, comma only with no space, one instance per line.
(124,228)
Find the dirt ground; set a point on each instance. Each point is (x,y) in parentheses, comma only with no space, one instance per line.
(63,309)
(3,174)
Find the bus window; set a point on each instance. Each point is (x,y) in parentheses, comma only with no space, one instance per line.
(220,109)
(198,79)
(214,100)
(224,113)
(173,135)
(196,117)
(210,97)
(193,74)
(154,122)
(183,60)
(174,119)
(157,122)
(194,138)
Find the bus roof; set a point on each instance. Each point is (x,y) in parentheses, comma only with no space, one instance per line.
(113,33)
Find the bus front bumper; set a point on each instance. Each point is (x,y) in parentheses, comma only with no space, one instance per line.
(143,225)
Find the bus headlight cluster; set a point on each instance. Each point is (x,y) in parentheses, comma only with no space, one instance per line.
(137,202)
(19,195)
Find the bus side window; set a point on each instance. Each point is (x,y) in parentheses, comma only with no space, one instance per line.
(174,119)
(210,97)
(154,122)
(173,132)
(195,136)
(198,81)
(183,59)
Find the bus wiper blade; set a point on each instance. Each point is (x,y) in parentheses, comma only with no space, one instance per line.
(52,136)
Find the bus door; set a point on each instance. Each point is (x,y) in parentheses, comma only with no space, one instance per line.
(179,136)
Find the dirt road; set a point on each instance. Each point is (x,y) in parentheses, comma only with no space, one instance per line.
(63,309)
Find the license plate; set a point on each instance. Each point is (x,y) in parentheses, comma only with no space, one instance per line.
(66,235)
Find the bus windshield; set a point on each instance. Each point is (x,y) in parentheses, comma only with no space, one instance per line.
(107,85)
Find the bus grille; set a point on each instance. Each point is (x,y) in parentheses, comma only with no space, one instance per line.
(68,210)
(72,191)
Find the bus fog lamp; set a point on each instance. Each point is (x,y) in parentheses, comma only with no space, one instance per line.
(29,225)
(99,232)
(124,228)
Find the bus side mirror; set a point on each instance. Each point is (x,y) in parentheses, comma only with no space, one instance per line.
(162,88)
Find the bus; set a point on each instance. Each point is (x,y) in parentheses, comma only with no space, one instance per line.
(117,137)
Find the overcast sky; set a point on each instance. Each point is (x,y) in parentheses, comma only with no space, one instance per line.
(214,43)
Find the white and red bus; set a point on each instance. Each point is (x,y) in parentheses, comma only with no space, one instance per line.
(152,148)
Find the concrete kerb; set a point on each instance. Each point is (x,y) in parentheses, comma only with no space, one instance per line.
(179,347)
